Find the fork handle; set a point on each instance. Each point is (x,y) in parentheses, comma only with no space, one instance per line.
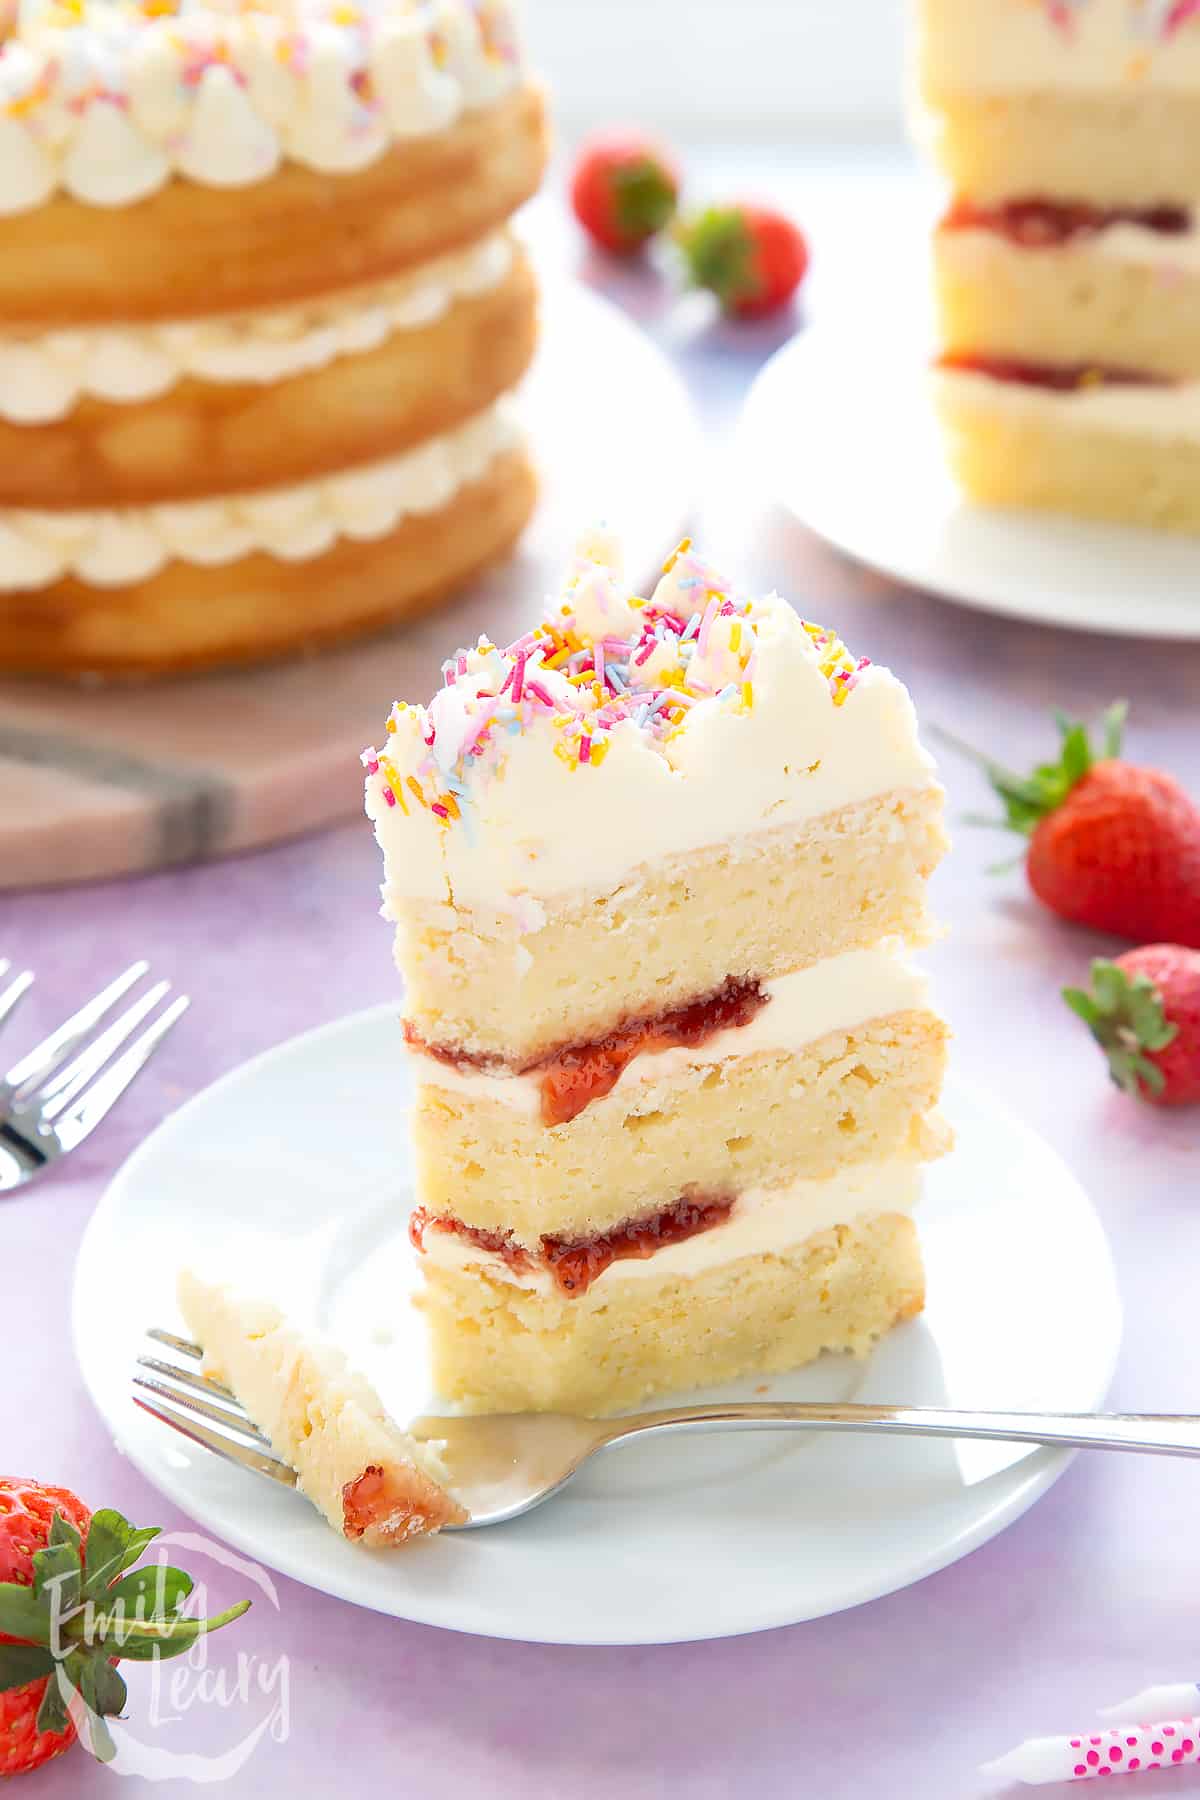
(1161,1434)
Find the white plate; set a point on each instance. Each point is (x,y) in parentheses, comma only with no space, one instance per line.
(290,1174)
(840,429)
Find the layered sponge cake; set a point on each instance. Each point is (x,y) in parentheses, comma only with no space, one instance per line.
(655,870)
(1068,264)
(260,318)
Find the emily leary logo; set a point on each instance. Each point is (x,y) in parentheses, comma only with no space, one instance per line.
(231,1701)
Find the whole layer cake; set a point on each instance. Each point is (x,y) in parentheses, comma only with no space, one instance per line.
(260,313)
(655,869)
(1068,264)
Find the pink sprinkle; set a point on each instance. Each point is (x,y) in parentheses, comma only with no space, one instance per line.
(518,686)
(371,764)
(439,810)
(507,683)
(1076,1744)
(389,796)
(462,665)
(1116,1753)
(539,693)
(598,663)
(432,734)
(1180,13)
(448,675)
(1081,1768)
(646,652)
(585,749)
(1135,1762)
(706,624)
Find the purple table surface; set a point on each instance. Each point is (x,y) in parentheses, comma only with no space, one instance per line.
(1089,1597)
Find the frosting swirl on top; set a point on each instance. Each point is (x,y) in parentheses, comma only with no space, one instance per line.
(621,729)
(108,99)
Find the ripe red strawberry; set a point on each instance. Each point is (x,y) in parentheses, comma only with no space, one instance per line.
(752,258)
(26,1513)
(1111,846)
(624,189)
(1144,1012)
(71,1603)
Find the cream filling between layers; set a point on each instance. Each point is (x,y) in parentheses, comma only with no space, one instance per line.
(43,377)
(1169,253)
(112,548)
(836,994)
(764,1221)
(1169,412)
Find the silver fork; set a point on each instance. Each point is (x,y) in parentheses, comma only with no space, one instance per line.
(54,1097)
(499,1465)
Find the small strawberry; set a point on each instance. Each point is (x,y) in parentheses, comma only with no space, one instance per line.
(1144,1012)
(1111,846)
(752,258)
(27,1512)
(624,189)
(69,1608)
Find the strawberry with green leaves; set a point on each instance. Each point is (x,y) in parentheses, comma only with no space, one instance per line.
(624,190)
(1110,845)
(71,1604)
(751,257)
(1144,1012)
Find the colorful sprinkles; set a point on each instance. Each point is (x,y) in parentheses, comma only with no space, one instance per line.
(602,660)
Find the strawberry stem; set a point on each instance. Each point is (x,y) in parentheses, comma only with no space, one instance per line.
(1127,1019)
(1028,799)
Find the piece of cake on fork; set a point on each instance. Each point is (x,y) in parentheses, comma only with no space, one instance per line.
(654,870)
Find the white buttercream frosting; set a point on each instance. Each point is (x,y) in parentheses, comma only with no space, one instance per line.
(117,547)
(1169,411)
(763,1221)
(1032,46)
(42,377)
(108,99)
(1171,254)
(715,716)
(836,994)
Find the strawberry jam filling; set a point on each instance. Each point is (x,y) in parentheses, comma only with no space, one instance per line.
(1062,378)
(574,1263)
(574,1075)
(1048,224)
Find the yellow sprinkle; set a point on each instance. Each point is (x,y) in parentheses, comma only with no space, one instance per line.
(558,721)
(598,694)
(391,726)
(451,805)
(557,660)
(414,787)
(1137,68)
(599,751)
(394,782)
(747,695)
(681,549)
(735,635)
(579,677)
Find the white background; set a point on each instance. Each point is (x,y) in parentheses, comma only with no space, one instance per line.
(790,70)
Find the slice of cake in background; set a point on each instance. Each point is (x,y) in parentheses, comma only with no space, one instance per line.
(374,1484)
(654,870)
(1068,263)
(260,316)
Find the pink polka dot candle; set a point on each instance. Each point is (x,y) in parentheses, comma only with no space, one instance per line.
(1117,1750)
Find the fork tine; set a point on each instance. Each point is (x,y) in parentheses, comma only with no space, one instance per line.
(184,1346)
(220,1445)
(103,1094)
(15,992)
(203,1384)
(207,1409)
(71,1078)
(45,1057)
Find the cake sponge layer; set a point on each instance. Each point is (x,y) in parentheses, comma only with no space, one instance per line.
(1126,297)
(1133,147)
(502,1348)
(517,986)
(713,1130)
(1014,446)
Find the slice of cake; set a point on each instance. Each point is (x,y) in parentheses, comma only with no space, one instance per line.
(376,1485)
(654,869)
(1067,275)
